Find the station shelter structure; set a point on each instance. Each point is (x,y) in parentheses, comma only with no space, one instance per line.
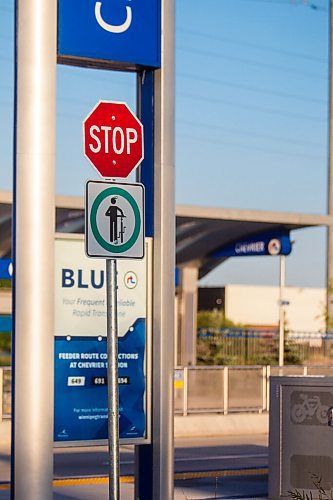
(200,233)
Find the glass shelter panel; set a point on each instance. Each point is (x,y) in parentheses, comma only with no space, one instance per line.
(205,389)
(245,388)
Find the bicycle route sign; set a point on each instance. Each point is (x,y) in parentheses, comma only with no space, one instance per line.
(114,225)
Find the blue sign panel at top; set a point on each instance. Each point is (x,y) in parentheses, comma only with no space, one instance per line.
(121,34)
(6,269)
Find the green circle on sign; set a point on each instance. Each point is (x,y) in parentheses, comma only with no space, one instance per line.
(93,220)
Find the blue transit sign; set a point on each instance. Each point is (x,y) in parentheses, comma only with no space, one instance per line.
(121,34)
(81,395)
(81,359)
(261,244)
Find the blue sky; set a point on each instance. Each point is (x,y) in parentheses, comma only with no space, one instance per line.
(251,118)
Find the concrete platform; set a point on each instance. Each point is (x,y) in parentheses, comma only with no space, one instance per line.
(235,484)
(212,424)
(198,425)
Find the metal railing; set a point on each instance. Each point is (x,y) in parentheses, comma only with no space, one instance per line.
(208,389)
(226,389)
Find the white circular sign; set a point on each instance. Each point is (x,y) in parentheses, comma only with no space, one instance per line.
(274,246)
(130,280)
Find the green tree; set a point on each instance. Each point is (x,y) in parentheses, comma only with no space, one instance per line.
(5,283)
(215,348)
(215,319)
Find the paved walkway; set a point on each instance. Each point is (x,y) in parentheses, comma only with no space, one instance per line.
(224,484)
(232,486)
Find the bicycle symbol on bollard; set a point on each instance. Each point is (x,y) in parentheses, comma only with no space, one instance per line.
(309,410)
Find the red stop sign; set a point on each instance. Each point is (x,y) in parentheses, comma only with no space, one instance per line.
(113,139)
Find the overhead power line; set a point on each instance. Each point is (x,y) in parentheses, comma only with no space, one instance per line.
(296,3)
(236,104)
(201,139)
(250,62)
(265,48)
(257,135)
(251,88)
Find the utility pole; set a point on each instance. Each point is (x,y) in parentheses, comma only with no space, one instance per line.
(282,304)
(330,170)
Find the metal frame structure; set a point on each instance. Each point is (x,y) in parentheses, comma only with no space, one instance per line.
(36,33)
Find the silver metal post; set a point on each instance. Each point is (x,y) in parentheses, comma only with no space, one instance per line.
(268,374)
(155,462)
(329,263)
(264,378)
(34,214)
(282,308)
(225,390)
(113,398)
(164,265)
(185,394)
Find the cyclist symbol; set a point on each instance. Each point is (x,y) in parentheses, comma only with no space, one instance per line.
(116,216)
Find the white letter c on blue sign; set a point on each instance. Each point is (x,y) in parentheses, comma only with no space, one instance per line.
(120,28)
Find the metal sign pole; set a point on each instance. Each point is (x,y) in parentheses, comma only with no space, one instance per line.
(113,400)
(33,249)
(281,308)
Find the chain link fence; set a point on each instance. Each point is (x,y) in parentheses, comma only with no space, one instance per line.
(239,346)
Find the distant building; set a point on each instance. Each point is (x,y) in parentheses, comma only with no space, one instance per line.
(210,298)
(258,306)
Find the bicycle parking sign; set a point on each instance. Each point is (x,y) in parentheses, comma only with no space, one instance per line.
(114,220)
